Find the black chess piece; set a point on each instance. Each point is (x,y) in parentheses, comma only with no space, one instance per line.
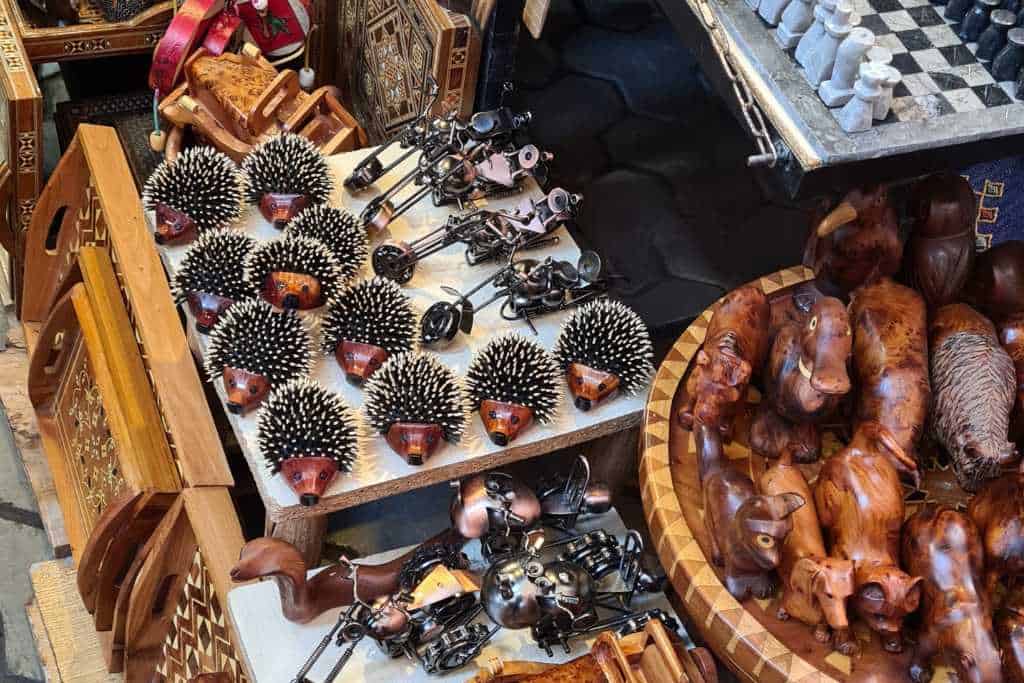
(1011,6)
(993,38)
(1020,85)
(956,9)
(977,19)
(1008,61)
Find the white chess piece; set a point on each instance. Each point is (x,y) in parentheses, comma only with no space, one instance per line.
(753,4)
(837,91)
(884,101)
(879,54)
(822,13)
(795,20)
(822,57)
(771,10)
(858,114)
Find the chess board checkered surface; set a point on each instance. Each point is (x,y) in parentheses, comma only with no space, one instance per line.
(941,74)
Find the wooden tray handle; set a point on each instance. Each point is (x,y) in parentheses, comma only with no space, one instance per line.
(52,353)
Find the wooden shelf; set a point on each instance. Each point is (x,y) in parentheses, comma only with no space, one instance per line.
(382,473)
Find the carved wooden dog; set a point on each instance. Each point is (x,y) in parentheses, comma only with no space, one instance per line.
(942,546)
(860,503)
(998,511)
(890,358)
(815,587)
(734,348)
(745,530)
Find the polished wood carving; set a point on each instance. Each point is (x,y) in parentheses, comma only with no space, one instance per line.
(1009,625)
(359,361)
(997,283)
(504,421)
(414,441)
(245,390)
(590,387)
(773,436)
(997,510)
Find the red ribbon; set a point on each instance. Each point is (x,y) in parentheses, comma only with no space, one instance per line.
(188,25)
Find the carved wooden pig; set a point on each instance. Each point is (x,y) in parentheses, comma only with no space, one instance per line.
(814,587)
(973,384)
(890,359)
(1009,623)
(942,546)
(998,512)
(745,530)
(860,504)
(734,348)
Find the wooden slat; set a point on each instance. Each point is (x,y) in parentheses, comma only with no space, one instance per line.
(218,533)
(535,13)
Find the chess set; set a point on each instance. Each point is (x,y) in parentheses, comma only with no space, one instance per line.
(874,62)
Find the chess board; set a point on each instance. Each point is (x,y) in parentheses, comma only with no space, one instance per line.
(941,74)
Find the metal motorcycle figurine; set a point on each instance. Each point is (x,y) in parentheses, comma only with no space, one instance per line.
(528,288)
(488,235)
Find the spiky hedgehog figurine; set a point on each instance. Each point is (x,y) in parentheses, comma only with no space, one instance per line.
(415,401)
(339,230)
(286,174)
(513,381)
(604,347)
(308,434)
(294,272)
(200,190)
(211,276)
(365,324)
(253,349)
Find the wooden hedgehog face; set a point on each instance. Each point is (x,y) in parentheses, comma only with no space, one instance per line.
(359,361)
(309,477)
(504,421)
(279,208)
(590,387)
(207,308)
(245,390)
(295,291)
(173,226)
(415,441)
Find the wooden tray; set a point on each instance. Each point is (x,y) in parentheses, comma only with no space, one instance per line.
(746,636)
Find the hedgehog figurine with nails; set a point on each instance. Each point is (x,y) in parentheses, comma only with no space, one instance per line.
(366,324)
(308,434)
(211,277)
(286,174)
(254,349)
(200,190)
(340,232)
(513,381)
(604,348)
(297,273)
(416,402)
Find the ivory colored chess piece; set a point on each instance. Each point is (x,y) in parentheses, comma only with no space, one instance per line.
(879,54)
(858,114)
(837,91)
(822,57)
(823,11)
(753,4)
(771,10)
(796,19)
(993,38)
(884,102)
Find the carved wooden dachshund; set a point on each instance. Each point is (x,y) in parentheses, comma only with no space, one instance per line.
(942,546)
(815,587)
(890,359)
(860,503)
(745,530)
(1009,624)
(998,511)
(734,348)
(974,385)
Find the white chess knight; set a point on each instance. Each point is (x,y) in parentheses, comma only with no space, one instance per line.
(822,13)
(822,56)
(771,10)
(858,114)
(796,19)
(884,101)
(837,91)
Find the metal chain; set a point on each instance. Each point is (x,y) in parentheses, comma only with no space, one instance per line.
(768,155)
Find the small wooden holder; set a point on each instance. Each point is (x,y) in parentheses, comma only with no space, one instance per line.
(173,226)
(309,477)
(293,291)
(207,309)
(589,387)
(280,208)
(415,441)
(504,421)
(245,389)
(359,361)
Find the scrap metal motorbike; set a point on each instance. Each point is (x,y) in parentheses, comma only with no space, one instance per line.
(488,235)
(528,288)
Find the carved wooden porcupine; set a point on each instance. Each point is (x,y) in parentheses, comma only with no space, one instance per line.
(295,272)
(604,347)
(973,391)
(339,230)
(513,381)
(365,324)
(211,276)
(308,434)
(254,348)
(286,174)
(200,190)
(414,400)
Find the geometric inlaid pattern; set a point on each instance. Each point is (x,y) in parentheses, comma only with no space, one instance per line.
(200,639)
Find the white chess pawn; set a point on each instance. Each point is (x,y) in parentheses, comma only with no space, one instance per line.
(879,54)
(771,10)
(822,56)
(884,101)
(837,91)
(822,13)
(857,115)
(796,18)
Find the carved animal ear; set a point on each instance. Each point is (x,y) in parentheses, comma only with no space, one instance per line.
(791,502)
(913,596)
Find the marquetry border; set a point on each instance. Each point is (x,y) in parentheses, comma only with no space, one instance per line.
(735,634)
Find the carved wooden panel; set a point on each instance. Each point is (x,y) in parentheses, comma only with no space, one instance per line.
(200,640)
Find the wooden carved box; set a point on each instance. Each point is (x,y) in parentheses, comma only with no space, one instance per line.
(389,49)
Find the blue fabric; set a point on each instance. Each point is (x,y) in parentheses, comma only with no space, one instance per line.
(1000,201)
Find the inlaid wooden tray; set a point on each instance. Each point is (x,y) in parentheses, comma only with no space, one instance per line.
(746,636)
